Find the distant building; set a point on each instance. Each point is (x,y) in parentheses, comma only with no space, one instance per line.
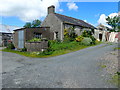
(6,34)
(5,38)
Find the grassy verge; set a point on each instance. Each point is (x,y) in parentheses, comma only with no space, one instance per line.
(60,49)
(117,48)
(115,79)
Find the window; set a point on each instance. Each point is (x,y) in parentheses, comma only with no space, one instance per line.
(55,35)
(38,35)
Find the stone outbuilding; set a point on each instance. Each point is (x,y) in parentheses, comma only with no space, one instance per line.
(21,36)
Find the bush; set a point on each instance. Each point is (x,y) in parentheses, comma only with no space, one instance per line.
(93,40)
(24,49)
(69,34)
(86,41)
(87,34)
(79,38)
(10,46)
(49,51)
(35,40)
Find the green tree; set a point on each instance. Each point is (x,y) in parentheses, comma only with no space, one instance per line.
(27,25)
(36,23)
(114,22)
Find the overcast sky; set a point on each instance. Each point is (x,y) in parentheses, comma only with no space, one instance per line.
(17,12)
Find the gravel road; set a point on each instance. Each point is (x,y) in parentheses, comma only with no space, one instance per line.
(78,69)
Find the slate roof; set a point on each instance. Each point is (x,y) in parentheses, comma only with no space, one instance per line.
(74,21)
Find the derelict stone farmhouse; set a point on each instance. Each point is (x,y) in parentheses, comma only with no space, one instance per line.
(52,28)
(58,23)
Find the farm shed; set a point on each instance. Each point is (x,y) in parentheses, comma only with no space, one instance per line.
(21,36)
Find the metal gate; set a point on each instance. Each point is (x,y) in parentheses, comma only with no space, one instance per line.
(21,39)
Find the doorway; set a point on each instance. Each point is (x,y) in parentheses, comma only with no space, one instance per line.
(100,37)
(21,39)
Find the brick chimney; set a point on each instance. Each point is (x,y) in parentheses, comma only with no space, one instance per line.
(51,9)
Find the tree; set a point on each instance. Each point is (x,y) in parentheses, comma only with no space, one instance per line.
(114,22)
(27,25)
(36,23)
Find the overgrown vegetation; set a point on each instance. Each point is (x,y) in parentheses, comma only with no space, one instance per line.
(116,48)
(115,79)
(71,43)
(35,40)
(55,49)
(10,46)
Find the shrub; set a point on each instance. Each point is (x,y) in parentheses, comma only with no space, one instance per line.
(86,41)
(79,38)
(69,34)
(93,40)
(49,51)
(34,40)
(24,49)
(10,46)
(87,34)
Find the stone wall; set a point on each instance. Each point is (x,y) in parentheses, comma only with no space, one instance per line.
(55,25)
(36,46)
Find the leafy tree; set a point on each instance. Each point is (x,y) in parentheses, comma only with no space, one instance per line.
(114,22)
(36,23)
(28,25)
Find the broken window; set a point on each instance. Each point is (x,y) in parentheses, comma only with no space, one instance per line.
(38,35)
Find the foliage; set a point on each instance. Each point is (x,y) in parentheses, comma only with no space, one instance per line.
(35,40)
(87,34)
(49,51)
(56,48)
(11,46)
(24,49)
(35,23)
(86,41)
(69,34)
(93,40)
(114,22)
(27,25)
(79,38)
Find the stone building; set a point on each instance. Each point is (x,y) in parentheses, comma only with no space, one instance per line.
(21,36)
(58,23)
(5,38)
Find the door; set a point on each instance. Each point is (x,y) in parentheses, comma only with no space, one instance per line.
(21,39)
(100,37)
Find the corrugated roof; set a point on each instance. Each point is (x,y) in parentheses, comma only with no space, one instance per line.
(74,21)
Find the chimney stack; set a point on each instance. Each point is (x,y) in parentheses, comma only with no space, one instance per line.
(51,9)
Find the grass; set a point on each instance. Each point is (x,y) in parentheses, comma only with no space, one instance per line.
(103,66)
(116,48)
(59,49)
(115,79)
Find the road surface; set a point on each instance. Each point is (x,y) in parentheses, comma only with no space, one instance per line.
(78,69)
